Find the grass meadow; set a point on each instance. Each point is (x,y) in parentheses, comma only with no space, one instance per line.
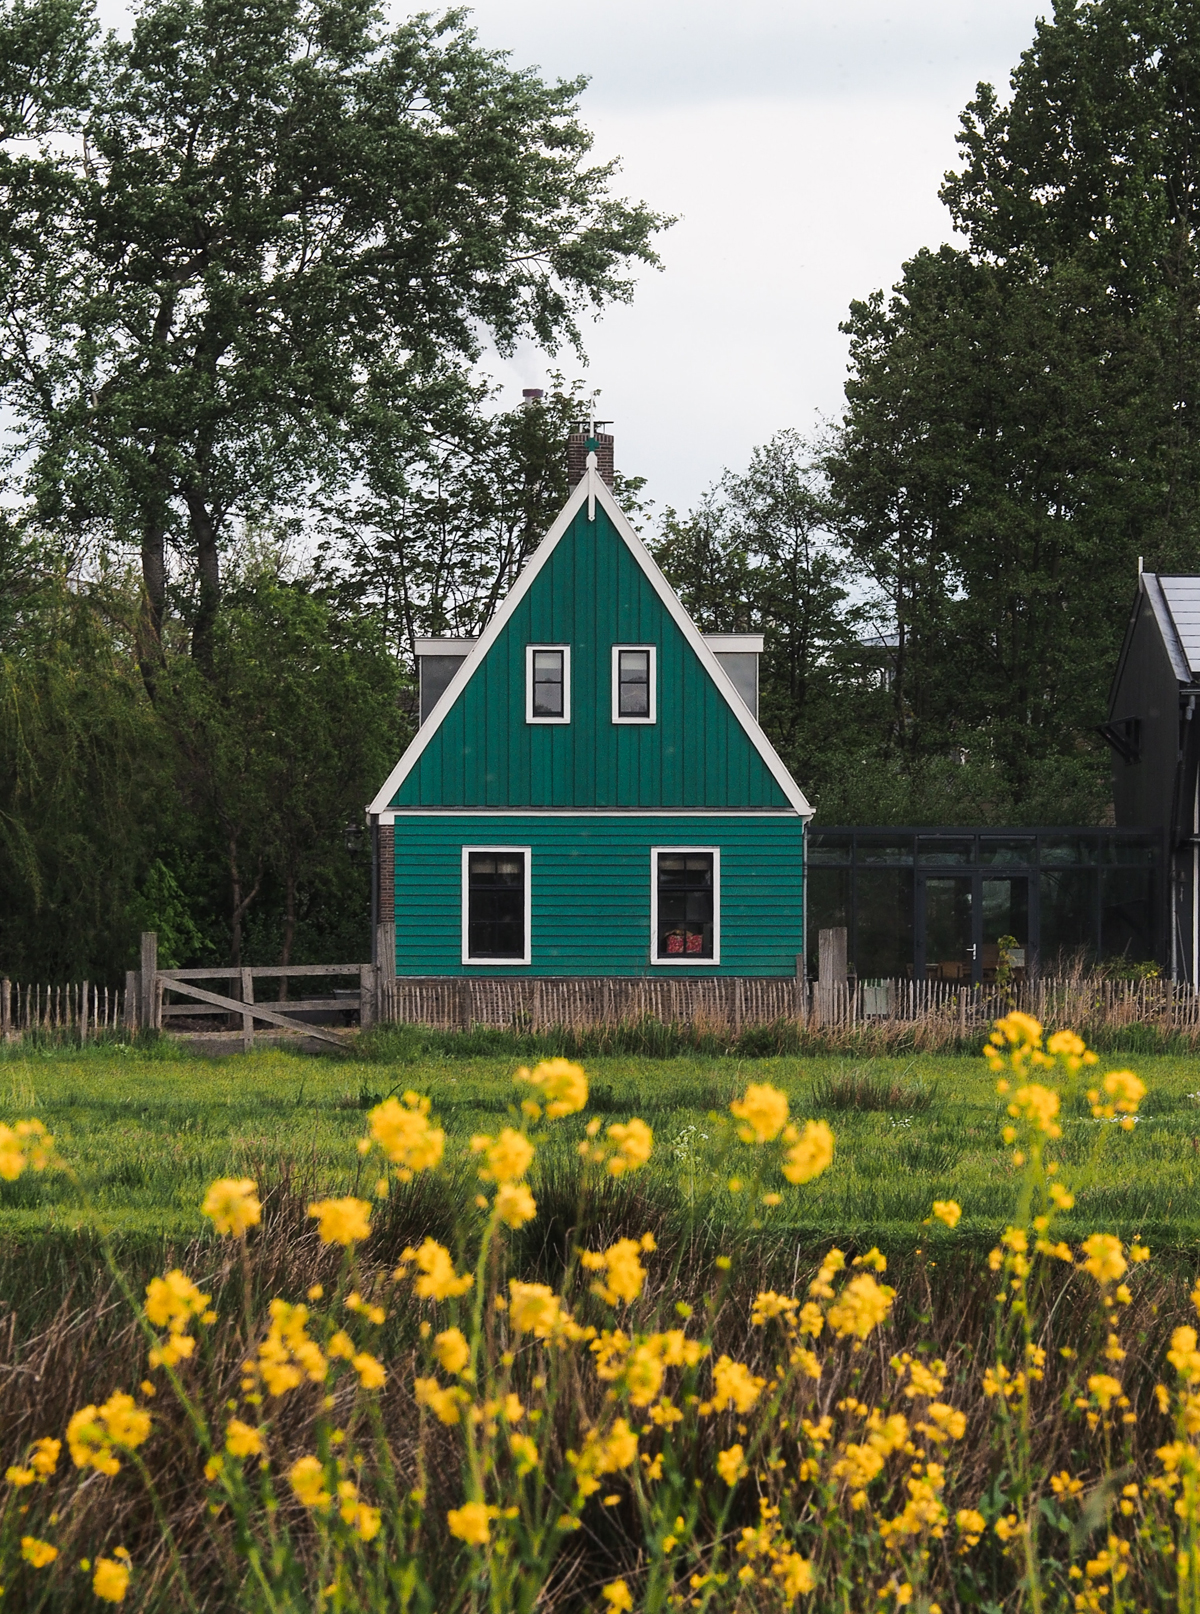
(148,1128)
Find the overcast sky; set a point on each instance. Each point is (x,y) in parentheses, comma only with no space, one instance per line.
(802,145)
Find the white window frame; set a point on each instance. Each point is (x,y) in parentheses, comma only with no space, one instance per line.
(565,649)
(676,958)
(616,684)
(465,897)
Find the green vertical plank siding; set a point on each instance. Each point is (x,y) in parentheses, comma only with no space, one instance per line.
(590,594)
(590,887)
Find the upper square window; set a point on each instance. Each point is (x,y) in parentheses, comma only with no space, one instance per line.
(547,683)
(634,684)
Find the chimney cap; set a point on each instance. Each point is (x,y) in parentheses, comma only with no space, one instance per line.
(533,394)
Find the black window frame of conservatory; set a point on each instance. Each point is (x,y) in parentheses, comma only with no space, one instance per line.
(1107,844)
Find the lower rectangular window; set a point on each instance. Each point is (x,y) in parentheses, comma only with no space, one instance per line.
(495,905)
(686,905)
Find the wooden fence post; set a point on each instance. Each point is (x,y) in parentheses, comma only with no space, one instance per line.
(133,996)
(83,1013)
(247,996)
(149,979)
(366,996)
(385,972)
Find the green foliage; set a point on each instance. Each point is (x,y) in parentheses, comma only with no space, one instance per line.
(237,242)
(440,526)
(1020,420)
(85,784)
(757,556)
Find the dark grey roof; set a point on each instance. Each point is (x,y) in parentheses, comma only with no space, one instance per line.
(1176,603)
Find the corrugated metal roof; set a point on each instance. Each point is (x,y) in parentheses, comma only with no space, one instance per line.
(1182,596)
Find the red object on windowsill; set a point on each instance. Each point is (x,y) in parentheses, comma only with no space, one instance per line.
(695,944)
(674,942)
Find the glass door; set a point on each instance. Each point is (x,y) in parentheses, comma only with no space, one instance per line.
(1004,914)
(946,928)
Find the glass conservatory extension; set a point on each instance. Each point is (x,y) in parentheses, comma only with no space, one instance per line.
(934,904)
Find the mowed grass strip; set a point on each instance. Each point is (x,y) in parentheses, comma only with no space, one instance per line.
(147,1129)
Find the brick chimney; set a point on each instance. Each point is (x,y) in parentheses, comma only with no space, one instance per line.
(578,444)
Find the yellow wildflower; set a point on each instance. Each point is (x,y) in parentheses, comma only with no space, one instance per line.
(1105,1389)
(444,1404)
(370,1370)
(1183,1355)
(307,1479)
(525,1452)
(618,1596)
(242,1439)
(342,1221)
(1019,1030)
(948,1211)
(111,1579)
(764,1110)
(563,1086)
(509,1156)
(451,1349)
(810,1154)
(625,1273)
(1038,1106)
(796,1573)
(471,1523)
(45,1456)
(534,1308)
(862,1305)
(1125,1090)
(1104,1259)
(438,1280)
(971,1524)
(287,1356)
(38,1553)
(1062,1197)
(943,1423)
(769,1304)
(27,1144)
(94,1431)
(634,1141)
(730,1465)
(734,1386)
(603,1454)
(515,1205)
(172,1301)
(404,1134)
(233,1204)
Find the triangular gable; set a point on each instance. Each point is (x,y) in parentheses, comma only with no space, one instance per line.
(592,490)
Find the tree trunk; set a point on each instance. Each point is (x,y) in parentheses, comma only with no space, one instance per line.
(289,931)
(154,602)
(208,570)
(238,904)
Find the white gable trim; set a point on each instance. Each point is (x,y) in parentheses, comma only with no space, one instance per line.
(591,488)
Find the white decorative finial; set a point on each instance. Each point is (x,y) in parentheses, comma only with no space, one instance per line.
(592,473)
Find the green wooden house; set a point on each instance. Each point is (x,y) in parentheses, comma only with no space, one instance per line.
(589,792)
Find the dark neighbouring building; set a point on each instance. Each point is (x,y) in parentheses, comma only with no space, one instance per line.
(929,903)
(1153,729)
(934,903)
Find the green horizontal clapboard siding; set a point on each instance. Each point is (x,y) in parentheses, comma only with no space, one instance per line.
(591,594)
(590,890)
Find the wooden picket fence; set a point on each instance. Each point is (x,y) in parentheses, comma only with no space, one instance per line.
(927,1012)
(80,1008)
